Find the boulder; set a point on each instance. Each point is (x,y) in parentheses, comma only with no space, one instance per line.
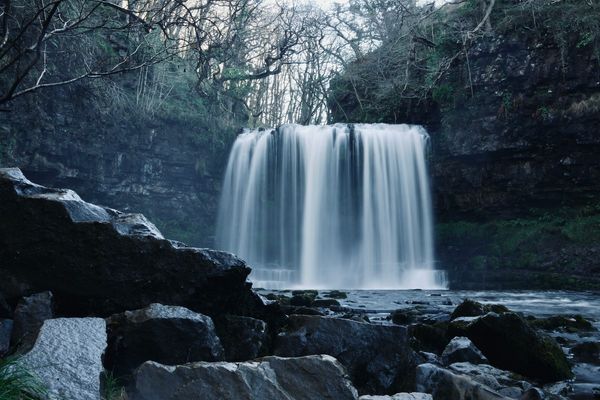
(29,315)
(336,294)
(446,385)
(99,261)
(471,308)
(461,349)
(398,396)
(243,338)
(506,383)
(567,323)
(6,327)
(509,342)
(378,358)
(269,378)
(165,334)
(67,357)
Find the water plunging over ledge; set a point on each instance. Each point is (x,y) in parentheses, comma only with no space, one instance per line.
(339,206)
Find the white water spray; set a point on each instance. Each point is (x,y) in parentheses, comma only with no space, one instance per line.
(340,206)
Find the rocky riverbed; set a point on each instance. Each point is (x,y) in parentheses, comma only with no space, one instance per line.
(96,304)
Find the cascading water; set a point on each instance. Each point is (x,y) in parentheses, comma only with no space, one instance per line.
(340,206)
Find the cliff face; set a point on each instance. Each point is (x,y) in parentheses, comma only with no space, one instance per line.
(527,135)
(169,169)
(515,166)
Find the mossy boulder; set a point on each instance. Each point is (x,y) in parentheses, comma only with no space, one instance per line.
(567,323)
(471,308)
(510,343)
(303,298)
(336,294)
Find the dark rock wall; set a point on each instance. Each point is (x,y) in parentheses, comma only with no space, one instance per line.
(168,169)
(527,136)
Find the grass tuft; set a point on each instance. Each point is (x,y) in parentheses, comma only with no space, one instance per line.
(112,389)
(17,382)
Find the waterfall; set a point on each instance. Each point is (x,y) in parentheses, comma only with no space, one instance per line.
(340,206)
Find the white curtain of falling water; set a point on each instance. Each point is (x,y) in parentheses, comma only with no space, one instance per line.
(340,206)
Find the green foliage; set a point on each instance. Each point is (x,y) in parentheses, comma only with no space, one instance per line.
(112,389)
(443,94)
(17,382)
(517,243)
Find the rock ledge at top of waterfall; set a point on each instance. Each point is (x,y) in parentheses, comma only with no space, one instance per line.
(331,206)
(98,261)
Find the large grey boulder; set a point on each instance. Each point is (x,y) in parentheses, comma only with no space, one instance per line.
(461,349)
(398,396)
(98,261)
(446,385)
(67,357)
(29,315)
(165,334)
(377,357)
(269,378)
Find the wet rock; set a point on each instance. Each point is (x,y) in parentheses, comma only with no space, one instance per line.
(326,303)
(404,316)
(461,349)
(471,308)
(446,385)
(588,352)
(279,298)
(378,358)
(99,261)
(399,396)
(243,338)
(336,294)
(303,298)
(67,357)
(29,316)
(504,382)
(430,358)
(6,327)
(510,343)
(430,338)
(166,334)
(269,378)
(567,323)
